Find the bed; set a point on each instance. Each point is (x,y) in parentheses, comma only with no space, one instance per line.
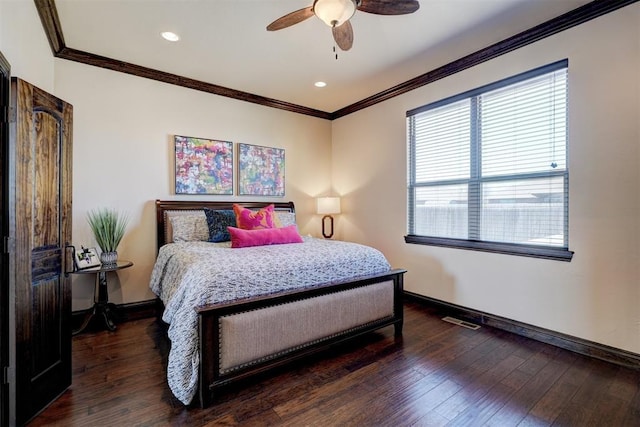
(235,313)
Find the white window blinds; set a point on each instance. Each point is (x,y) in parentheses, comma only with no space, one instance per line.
(490,165)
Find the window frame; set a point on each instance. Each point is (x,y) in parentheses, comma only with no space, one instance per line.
(474,242)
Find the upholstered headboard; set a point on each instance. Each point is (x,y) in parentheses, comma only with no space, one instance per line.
(164,208)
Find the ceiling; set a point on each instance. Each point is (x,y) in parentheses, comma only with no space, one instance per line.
(225,42)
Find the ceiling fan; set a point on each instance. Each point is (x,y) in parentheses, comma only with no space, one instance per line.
(336,14)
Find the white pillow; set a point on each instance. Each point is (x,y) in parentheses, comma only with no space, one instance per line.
(286,218)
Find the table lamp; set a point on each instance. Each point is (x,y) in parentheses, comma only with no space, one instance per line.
(327,206)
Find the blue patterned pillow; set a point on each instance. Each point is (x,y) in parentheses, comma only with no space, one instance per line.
(218,221)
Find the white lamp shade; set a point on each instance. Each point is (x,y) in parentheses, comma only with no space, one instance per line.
(334,12)
(328,205)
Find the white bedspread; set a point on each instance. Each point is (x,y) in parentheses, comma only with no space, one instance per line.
(191,274)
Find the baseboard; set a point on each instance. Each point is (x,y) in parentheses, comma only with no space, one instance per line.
(138,310)
(125,312)
(568,342)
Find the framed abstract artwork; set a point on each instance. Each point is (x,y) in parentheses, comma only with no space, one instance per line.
(203,166)
(260,171)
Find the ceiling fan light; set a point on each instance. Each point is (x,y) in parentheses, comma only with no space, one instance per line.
(170,36)
(334,12)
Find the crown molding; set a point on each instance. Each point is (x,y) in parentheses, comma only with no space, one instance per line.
(51,24)
(174,79)
(556,25)
(53,30)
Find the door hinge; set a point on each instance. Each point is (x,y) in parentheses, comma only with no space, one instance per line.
(5,244)
(12,115)
(5,375)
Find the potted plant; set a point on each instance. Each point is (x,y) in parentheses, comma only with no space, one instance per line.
(108,228)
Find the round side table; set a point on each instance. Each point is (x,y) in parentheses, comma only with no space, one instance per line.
(102,307)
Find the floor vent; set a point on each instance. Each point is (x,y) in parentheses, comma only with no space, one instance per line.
(461,323)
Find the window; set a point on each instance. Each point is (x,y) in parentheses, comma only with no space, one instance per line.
(488,168)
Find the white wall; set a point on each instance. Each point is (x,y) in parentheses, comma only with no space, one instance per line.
(24,44)
(123,158)
(123,127)
(597,295)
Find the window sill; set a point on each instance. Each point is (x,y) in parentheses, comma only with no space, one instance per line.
(534,251)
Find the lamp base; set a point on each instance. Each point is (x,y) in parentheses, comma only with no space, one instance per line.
(324,233)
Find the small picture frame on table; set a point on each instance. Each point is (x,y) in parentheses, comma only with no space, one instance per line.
(86,258)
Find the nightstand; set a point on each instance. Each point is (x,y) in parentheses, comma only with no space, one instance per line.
(102,307)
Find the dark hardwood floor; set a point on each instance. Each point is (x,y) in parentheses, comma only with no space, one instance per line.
(437,374)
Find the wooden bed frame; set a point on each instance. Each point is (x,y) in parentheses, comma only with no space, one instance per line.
(211,318)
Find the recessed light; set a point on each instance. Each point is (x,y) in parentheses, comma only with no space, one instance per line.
(168,35)
(320,84)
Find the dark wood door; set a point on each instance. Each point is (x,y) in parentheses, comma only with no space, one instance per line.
(41,136)
(4,225)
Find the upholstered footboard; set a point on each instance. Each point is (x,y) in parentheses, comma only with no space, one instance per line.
(243,338)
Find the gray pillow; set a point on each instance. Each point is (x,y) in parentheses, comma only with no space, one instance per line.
(190,228)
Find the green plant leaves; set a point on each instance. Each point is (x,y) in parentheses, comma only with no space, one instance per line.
(108,227)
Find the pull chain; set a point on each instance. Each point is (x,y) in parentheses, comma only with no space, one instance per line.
(333,28)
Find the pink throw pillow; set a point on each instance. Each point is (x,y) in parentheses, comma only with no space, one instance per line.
(262,237)
(247,219)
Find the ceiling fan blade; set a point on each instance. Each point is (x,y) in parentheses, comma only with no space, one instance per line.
(389,7)
(291,19)
(343,35)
